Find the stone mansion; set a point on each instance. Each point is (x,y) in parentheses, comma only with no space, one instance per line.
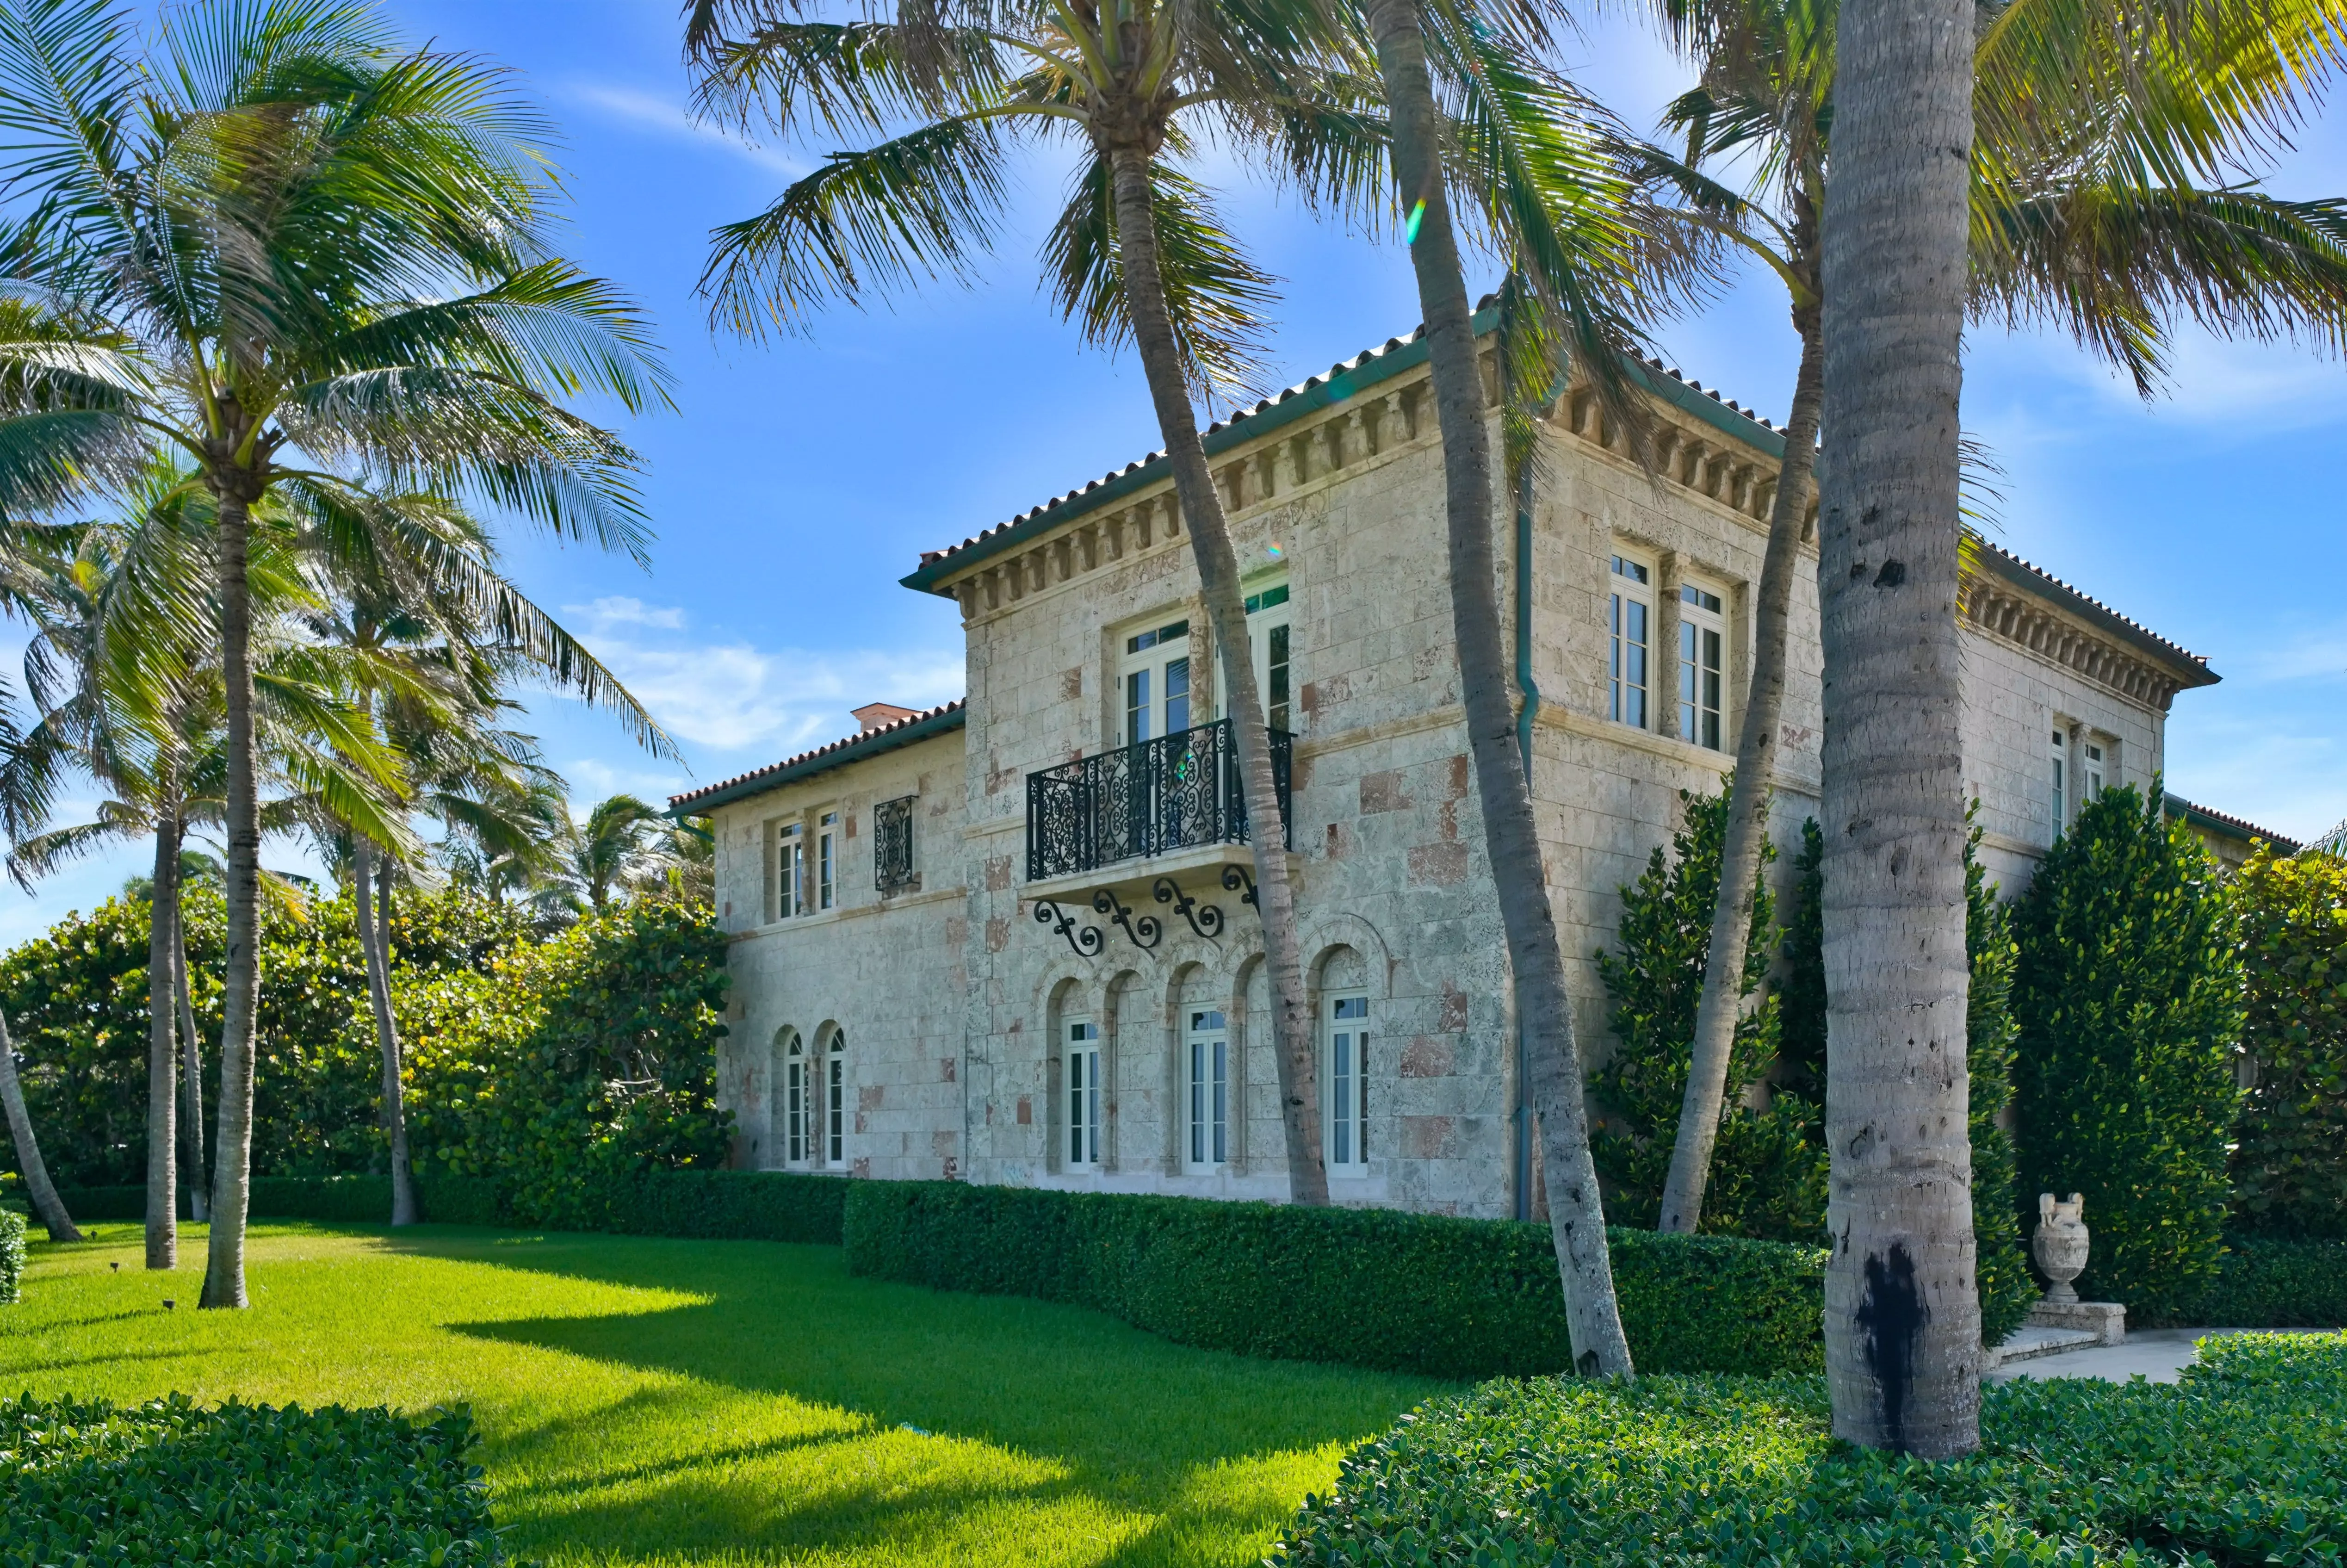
(1007,940)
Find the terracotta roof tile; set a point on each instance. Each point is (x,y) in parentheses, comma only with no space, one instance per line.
(683,803)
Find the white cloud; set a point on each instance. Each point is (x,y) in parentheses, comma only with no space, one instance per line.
(635,107)
(617,610)
(2214,385)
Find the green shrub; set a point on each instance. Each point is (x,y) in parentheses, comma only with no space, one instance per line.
(1371,1288)
(1768,1176)
(2290,1162)
(2007,1290)
(168,1482)
(2269,1282)
(588,1058)
(2244,1461)
(12,1258)
(2128,990)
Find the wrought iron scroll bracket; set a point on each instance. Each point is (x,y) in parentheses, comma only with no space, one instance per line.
(1086,939)
(1205,919)
(1235,877)
(1145,932)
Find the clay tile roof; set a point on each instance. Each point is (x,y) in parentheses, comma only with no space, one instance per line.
(823,758)
(2176,806)
(2133,630)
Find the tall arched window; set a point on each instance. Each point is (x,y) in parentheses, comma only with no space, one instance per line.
(795,1098)
(835,1103)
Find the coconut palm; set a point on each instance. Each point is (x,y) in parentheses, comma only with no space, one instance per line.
(2065,229)
(613,848)
(305,257)
(1137,254)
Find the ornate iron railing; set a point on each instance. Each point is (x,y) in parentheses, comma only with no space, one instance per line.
(892,845)
(1177,791)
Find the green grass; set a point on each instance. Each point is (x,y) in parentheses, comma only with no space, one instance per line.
(652,1401)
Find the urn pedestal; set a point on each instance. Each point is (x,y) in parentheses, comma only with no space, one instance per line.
(2061,1247)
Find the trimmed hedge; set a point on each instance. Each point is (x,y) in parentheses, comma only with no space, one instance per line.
(12,1257)
(2244,1461)
(169,1482)
(1371,1287)
(2270,1282)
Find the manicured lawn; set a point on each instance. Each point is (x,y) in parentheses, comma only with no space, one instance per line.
(716,1402)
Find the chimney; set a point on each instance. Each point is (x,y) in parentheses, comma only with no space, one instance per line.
(880,715)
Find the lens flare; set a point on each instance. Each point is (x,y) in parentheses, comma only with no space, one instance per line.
(1409,230)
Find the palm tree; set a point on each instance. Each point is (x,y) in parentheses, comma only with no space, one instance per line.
(306,258)
(2062,227)
(1136,254)
(1902,1316)
(611,850)
(681,863)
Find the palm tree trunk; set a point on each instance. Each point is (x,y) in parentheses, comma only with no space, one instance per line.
(1903,1314)
(45,1201)
(191,1118)
(1293,1036)
(372,942)
(1747,802)
(163,1052)
(240,976)
(1511,838)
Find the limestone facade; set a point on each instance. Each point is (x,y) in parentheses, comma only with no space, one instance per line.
(978,1040)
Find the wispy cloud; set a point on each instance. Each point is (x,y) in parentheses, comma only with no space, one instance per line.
(732,695)
(664,116)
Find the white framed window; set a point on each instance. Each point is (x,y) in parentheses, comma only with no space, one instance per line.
(1629,634)
(826,858)
(790,872)
(2090,770)
(1268,644)
(834,1101)
(1703,637)
(798,1101)
(1153,682)
(1206,1069)
(1083,1085)
(2060,768)
(1345,1064)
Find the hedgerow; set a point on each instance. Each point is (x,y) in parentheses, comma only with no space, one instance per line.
(1369,1287)
(2289,1161)
(171,1482)
(2244,1461)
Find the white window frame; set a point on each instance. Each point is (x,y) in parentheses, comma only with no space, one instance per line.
(1086,1098)
(2094,774)
(798,1102)
(1205,1090)
(834,1101)
(2059,754)
(1344,1069)
(1271,649)
(1155,654)
(789,871)
(1630,641)
(826,840)
(1703,665)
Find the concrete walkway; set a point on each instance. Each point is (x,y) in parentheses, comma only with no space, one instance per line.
(2155,1354)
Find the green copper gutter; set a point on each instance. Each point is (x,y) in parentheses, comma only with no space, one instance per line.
(1316,394)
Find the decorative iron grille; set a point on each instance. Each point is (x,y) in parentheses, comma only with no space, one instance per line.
(892,845)
(1177,791)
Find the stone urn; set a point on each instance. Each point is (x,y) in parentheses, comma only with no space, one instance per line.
(2060,1245)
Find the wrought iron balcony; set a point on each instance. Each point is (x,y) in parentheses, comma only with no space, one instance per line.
(1181,791)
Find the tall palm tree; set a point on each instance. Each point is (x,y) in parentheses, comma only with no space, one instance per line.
(1137,254)
(305,257)
(2065,227)
(612,850)
(1902,1316)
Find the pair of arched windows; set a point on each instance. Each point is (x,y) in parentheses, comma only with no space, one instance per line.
(814,1100)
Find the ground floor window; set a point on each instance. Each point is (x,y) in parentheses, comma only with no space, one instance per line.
(795,1101)
(1207,1050)
(1346,1060)
(835,1111)
(1083,1079)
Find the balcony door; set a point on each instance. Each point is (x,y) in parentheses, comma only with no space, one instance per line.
(1153,684)
(1267,642)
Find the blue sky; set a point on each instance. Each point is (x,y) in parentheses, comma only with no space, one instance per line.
(800,479)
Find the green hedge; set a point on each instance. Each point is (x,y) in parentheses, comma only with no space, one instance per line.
(170,1482)
(12,1257)
(2244,1461)
(1372,1287)
(2269,1282)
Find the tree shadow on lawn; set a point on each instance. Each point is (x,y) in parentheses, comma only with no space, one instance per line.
(1027,1416)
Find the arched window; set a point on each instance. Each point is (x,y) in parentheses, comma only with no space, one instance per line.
(795,1098)
(835,1112)
(1345,1072)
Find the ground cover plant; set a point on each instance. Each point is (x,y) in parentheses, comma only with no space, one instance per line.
(662,1401)
(2245,1461)
(171,1481)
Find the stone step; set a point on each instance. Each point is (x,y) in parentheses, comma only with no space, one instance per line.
(2029,1343)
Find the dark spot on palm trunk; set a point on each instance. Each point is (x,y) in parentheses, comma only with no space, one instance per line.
(1891,1316)
(1892,574)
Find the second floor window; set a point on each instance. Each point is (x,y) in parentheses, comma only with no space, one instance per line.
(1155,679)
(2061,782)
(1629,614)
(827,881)
(2090,770)
(892,844)
(1702,634)
(1267,643)
(790,871)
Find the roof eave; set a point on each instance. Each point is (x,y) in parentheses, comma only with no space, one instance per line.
(861,749)
(2190,671)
